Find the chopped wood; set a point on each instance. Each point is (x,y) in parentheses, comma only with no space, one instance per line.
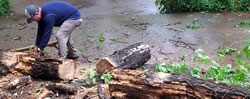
(52,43)
(62,88)
(131,57)
(44,94)
(137,84)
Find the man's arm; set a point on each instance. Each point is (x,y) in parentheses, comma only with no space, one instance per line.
(48,25)
(39,34)
(38,37)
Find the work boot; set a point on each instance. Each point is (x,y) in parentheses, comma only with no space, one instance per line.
(73,58)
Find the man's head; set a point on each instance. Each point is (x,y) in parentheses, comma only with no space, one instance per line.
(32,13)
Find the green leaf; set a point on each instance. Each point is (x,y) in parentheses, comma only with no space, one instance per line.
(179,22)
(83,69)
(180,31)
(211,20)
(183,57)
(195,72)
(84,84)
(90,36)
(246,31)
(31,47)
(91,74)
(235,26)
(94,62)
(94,81)
(101,39)
(142,68)
(42,85)
(128,33)
(205,42)
(99,45)
(79,52)
(239,55)
(17,37)
(227,34)
(106,77)
(114,40)
(246,50)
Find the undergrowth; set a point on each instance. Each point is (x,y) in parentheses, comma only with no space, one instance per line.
(234,74)
(5,6)
(166,6)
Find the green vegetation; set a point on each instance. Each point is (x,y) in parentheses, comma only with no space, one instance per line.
(100,42)
(234,74)
(167,6)
(5,6)
(194,24)
(245,23)
(113,40)
(93,76)
(106,77)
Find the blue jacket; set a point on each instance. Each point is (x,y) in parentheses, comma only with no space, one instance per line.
(54,14)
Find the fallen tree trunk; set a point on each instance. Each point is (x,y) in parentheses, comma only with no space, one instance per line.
(42,67)
(136,84)
(131,57)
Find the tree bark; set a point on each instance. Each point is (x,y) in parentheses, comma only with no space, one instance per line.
(42,67)
(131,57)
(137,84)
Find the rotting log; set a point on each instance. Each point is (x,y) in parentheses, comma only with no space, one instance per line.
(127,84)
(62,88)
(131,57)
(42,67)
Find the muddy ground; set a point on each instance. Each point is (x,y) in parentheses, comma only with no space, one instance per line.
(125,22)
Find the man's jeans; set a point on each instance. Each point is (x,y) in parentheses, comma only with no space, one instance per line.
(64,39)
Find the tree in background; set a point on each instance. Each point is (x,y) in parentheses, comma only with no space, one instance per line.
(167,6)
(5,6)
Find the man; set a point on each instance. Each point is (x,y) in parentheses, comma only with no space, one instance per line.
(55,13)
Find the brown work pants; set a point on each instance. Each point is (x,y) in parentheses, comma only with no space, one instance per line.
(64,39)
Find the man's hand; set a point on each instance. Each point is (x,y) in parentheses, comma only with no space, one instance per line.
(35,48)
(36,51)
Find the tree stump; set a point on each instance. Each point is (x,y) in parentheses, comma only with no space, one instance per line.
(42,67)
(131,57)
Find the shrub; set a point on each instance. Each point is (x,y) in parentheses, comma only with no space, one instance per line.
(166,6)
(5,5)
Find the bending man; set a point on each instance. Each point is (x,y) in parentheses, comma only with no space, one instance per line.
(55,13)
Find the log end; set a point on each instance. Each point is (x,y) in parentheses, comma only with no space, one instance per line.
(10,58)
(67,69)
(105,65)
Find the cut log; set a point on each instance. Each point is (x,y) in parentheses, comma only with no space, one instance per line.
(42,67)
(52,43)
(131,57)
(134,84)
